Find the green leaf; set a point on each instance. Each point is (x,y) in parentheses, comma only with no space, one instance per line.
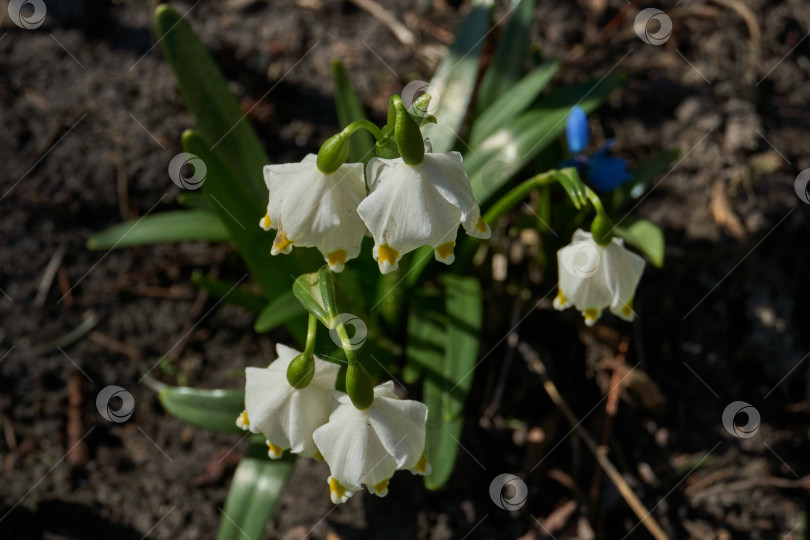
(256,487)
(446,355)
(510,148)
(194,199)
(350,109)
(316,292)
(214,410)
(283,309)
(506,66)
(455,77)
(513,102)
(645,236)
(240,212)
(217,115)
(233,294)
(173,226)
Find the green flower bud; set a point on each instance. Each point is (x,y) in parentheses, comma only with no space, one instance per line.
(601,228)
(333,153)
(301,370)
(407,135)
(359,386)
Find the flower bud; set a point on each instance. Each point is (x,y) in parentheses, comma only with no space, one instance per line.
(407,135)
(359,386)
(601,228)
(301,370)
(333,153)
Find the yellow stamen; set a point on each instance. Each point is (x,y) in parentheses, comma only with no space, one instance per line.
(386,253)
(336,489)
(337,258)
(242,420)
(561,299)
(281,243)
(421,465)
(382,487)
(266,223)
(627,310)
(481,225)
(591,314)
(274,451)
(318,456)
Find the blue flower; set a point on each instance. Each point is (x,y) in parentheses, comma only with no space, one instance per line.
(604,172)
(576,130)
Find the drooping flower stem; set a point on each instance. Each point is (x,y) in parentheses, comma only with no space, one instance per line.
(601,226)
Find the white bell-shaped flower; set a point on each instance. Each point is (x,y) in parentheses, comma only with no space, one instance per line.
(594,277)
(285,415)
(410,206)
(366,447)
(314,209)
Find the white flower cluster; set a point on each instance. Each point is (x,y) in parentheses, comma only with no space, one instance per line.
(407,206)
(362,447)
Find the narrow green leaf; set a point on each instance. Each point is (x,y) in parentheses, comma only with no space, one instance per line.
(514,101)
(215,410)
(350,109)
(283,309)
(194,199)
(256,487)
(240,212)
(233,294)
(217,114)
(512,147)
(645,236)
(173,226)
(507,63)
(446,356)
(455,77)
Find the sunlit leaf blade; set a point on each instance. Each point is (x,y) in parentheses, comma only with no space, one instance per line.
(214,410)
(283,309)
(505,67)
(502,154)
(256,487)
(443,346)
(513,102)
(217,115)
(350,109)
(455,77)
(230,292)
(645,236)
(173,226)
(240,212)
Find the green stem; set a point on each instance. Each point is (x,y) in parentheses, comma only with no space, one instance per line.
(369,126)
(312,330)
(302,368)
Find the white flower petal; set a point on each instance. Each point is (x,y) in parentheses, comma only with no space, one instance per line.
(353,450)
(313,209)
(288,416)
(594,277)
(400,425)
